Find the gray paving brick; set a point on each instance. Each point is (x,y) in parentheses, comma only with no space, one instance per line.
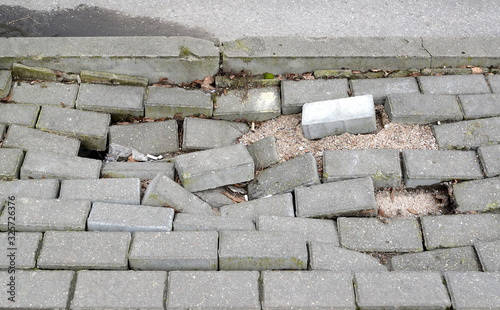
(215,167)
(46,93)
(34,214)
(169,102)
(262,250)
(480,105)
(29,188)
(201,134)
(278,205)
(284,177)
(120,217)
(295,93)
(141,170)
(401,290)
(75,123)
(20,114)
(450,231)
(84,250)
(21,253)
(119,289)
(489,254)
(264,152)
(112,78)
(325,256)
(383,166)
(380,88)
(5,83)
(190,222)
(307,290)
(195,290)
(178,250)
(38,289)
(370,234)
(494,81)
(490,159)
(454,84)
(214,197)
(480,195)
(10,163)
(429,167)
(468,134)
(348,197)
(474,290)
(2,131)
(126,191)
(22,72)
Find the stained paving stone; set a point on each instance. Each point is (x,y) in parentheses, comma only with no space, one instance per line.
(45,93)
(325,256)
(214,197)
(21,254)
(10,163)
(380,88)
(112,78)
(202,134)
(450,231)
(195,222)
(373,235)
(480,195)
(119,289)
(490,159)
(171,101)
(19,114)
(307,290)
(29,188)
(480,105)
(178,250)
(264,152)
(5,83)
(494,81)
(125,191)
(277,205)
(474,290)
(21,71)
(468,134)
(454,84)
(489,254)
(141,170)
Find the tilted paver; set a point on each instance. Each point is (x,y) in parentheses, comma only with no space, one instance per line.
(29,188)
(98,77)
(264,152)
(325,256)
(201,134)
(490,159)
(494,81)
(126,191)
(19,114)
(196,222)
(380,88)
(480,105)
(171,101)
(45,93)
(22,72)
(454,84)
(5,83)
(474,290)
(19,252)
(141,170)
(480,195)
(215,197)
(278,205)
(10,163)
(489,254)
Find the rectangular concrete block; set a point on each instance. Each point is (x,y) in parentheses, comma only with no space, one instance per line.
(264,152)
(23,72)
(171,101)
(489,254)
(454,84)
(474,290)
(20,253)
(29,188)
(10,163)
(277,205)
(381,88)
(45,93)
(141,170)
(19,114)
(195,222)
(490,159)
(494,81)
(479,196)
(111,78)
(125,191)
(324,256)
(334,117)
(5,83)
(468,134)
(215,197)
(201,134)
(180,250)
(480,105)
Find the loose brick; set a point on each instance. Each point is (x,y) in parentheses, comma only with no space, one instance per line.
(126,191)
(278,205)
(201,134)
(112,78)
(480,195)
(454,84)
(195,222)
(494,81)
(468,134)
(490,159)
(474,290)
(32,73)
(480,105)
(21,253)
(380,88)
(5,83)
(169,102)
(489,254)
(264,152)
(215,197)
(10,163)
(325,256)
(46,93)
(19,114)
(141,170)
(29,188)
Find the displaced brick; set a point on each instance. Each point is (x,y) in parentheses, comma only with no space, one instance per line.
(201,134)
(215,197)
(480,105)
(490,159)
(380,88)
(112,78)
(5,83)
(264,152)
(489,254)
(45,94)
(141,170)
(480,195)
(325,256)
(125,191)
(454,84)
(468,134)
(10,163)
(20,114)
(171,101)
(195,222)
(29,188)
(277,205)
(20,253)
(23,72)
(474,290)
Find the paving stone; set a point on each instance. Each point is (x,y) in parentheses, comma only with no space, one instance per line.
(401,290)
(480,105)
(380,88)
(494,81)
(2,131)
(333,117)
(474,290)
(277,205)
(201,134)
(44,165)
(255,104)
(215,197)
(141,170)
(29,188)
(480,195)
(429,167)
(84,250)
(468,134)
(307,290)
(20,114)
(119,289)
(489,254)
(348,197)
(295,93)
(75,123)
(112,78)
(10,163)
(325,256)
(264,152)
(163,191)
(454,84)
(490,159)
(180,250)
(451,231)
(195,290)
(34,214)
(373,235)
(23,72)
(30,139)
(383,166)
(125,191)
(190,222)
(21,253)
(171,101)
(148,138)
(215,167)
(120,217)
(314,230)
(5,83)
(284,177)
(262,250)
(46,93)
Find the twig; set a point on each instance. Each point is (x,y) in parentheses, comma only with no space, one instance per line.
(20,19)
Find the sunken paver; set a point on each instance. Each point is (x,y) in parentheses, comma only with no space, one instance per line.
(454,84)
(30,139)
(126,191)
(5,83)
(373,235)
(22,72)
(453,259)
(400,290)
(284,177)
(201,134)
(97,289)
(277,205)
(307,290)
(29,188)
(75,123)
(178,250)
(489,254)
(494,81)
(10,163)
(163,192)
(195,290)
(171,101)
(480,105)
(474,290)
(380,88)
(41,215)
(383,166)
(315,230)
(112,78)
(348,197)
(44,165)
(324,256)
(195,222)
(334,117)
(451,231)
(429,167)
(19,114)
(120,217)
(255,104)
(84,250)
(215,197)
(468,134)
(20,253)
(141,170)
(264,152)
(294,94)
(215,167)
(47,93)
(262,250)
(148,138)
(480,195)
(490,159)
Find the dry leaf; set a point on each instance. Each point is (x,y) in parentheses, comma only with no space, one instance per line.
(376,70)
(148,120)
(462,66)
(308,76)
(349,92)
(392,195)
(231,76)
(225,91)
(381,213)
(131,159)
(412,211)
(356,72)
(206,84)
(415,74)
(477,70)
(234,198)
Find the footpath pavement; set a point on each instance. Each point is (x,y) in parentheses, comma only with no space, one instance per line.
(78,234)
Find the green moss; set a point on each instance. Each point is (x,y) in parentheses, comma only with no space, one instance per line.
(379,176)
(268,76)
(491,206)
(325,175)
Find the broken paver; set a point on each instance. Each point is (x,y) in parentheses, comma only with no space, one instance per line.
(454,84)
(381,88)
(215,197)
(264,152)
(196,222)
(277,205)
(490,159)
(201,134)
(141,170)
(21,253)
(10,163)
(324,256)
(474,290)
(20,114)
(5,83)
(489,254)
(112,78)
(468,134)
(169,102)
(46,93)
(479,196)
(126,191)
(480,105)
